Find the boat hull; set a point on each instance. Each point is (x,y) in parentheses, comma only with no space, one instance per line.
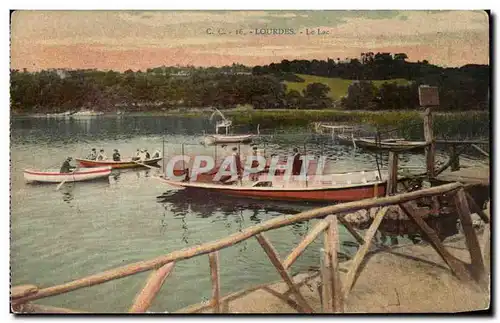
(390,144)
(222,139)
(116,164)
(328,194)
(85,174)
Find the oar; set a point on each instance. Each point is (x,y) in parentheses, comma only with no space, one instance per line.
(150,167)
(64,181)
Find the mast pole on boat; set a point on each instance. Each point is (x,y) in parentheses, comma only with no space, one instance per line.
(377,154)
(163,155)
(182,153)
(239,156)
(304,163)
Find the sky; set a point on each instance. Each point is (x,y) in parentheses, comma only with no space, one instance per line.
(138,40)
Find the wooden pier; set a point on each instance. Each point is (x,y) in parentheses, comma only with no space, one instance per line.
(469,176)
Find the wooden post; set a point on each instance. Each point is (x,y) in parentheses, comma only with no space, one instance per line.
(449,162)
(213,258)
(310,237)
(480,150)
(392,182)
(144,299)
(331,247)
(327,283)
(429,139)
(273,256)
(470,235)
(22,291)
(485,243)
(44,309)
(360,255)
(456,266)
(351,230)
(476,208)
(324,287)
(455,161)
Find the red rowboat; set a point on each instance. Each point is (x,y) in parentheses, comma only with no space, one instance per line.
(326,188)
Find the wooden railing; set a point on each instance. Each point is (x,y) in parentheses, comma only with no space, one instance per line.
(334,292)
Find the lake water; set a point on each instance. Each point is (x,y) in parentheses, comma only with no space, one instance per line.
(86,228)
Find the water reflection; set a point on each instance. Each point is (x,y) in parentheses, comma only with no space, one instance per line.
(67,193)
(181,202)
(115,176)
(233,214)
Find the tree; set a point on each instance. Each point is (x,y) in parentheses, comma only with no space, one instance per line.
(394,97)
(294,100)
(360,95)
(316,96)
(316,91)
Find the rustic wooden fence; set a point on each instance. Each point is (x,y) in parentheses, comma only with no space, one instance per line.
(334,292)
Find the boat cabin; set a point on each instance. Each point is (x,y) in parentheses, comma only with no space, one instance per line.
(223,124)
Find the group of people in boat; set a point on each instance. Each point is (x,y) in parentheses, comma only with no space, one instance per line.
(102,155)
(141,155)
(296,165)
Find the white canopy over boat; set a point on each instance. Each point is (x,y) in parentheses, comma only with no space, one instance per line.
(227,138)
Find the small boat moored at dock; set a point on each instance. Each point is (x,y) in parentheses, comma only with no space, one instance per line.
(391,144)
(117,164)
(227,139)
(54,176)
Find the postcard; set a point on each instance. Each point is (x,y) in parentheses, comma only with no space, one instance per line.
(293,161)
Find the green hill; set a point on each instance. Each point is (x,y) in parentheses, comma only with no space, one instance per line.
(338,87)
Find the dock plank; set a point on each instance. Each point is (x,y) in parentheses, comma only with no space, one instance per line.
(469,175)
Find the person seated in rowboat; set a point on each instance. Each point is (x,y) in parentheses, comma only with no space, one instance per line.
(156,154)
(66,166)
(297,162)
(148,156)
(102,155)
(142,155)
(116,155)
(93,154)
(137,155)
